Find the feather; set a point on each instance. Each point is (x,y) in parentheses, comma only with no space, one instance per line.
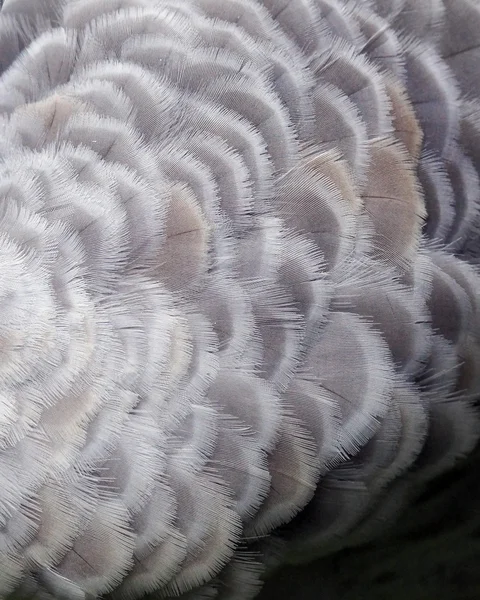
(46,63)
(433,91)
(338,16)
(360,81)
(229,309)
(78,13)
(183,256)
(251,401)
(465,181)
(303,272)
(240,580)
(321,213)
(458,43)
(239,294)
(339,127)
(348,340)
(49,9)
(300,20)
(425,20)
(405,125)
(239,458)
(211,529)
(439,196)
(294,474)
(101,556)
(396,229)
(371,291)
(449,306)
(16,33)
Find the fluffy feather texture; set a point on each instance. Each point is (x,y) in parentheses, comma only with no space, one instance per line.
(240,316)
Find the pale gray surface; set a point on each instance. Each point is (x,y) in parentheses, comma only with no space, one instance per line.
(239,293)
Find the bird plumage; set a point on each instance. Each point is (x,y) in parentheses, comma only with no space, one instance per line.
(239,287)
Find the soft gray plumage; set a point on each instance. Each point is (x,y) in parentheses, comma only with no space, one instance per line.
(240,308)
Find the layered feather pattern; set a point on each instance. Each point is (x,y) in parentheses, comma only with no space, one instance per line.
(240,300)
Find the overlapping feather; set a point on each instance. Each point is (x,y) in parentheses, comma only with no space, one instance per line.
(240,315)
